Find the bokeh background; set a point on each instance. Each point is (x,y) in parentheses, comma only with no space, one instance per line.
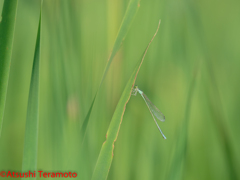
(191,73)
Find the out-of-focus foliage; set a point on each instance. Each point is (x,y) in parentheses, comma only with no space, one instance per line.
(7,26)
(32,120)
(77,38)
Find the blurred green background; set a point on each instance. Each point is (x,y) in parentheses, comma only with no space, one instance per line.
(197,46)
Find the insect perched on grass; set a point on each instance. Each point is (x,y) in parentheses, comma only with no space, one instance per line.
(152,108)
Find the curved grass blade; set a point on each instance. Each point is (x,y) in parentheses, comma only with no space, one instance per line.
(7,26)
(126,23)
(175,172)
(31,130)
(219,118)
(215,100)
(106,154)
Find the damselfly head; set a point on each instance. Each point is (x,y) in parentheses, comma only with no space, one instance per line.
(134,91)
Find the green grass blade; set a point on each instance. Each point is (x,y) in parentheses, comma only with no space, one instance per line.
(215,101)
(126,23)
(7,26)
(106,154)
(219,119)
(31,130)
(181,144)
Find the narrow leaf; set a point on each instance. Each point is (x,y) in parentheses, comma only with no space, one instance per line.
(219,119)
(106,154)
(7,25)
(126,23)
(31,130)
(181,144)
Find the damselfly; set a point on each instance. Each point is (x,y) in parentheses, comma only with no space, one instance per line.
(152,108)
